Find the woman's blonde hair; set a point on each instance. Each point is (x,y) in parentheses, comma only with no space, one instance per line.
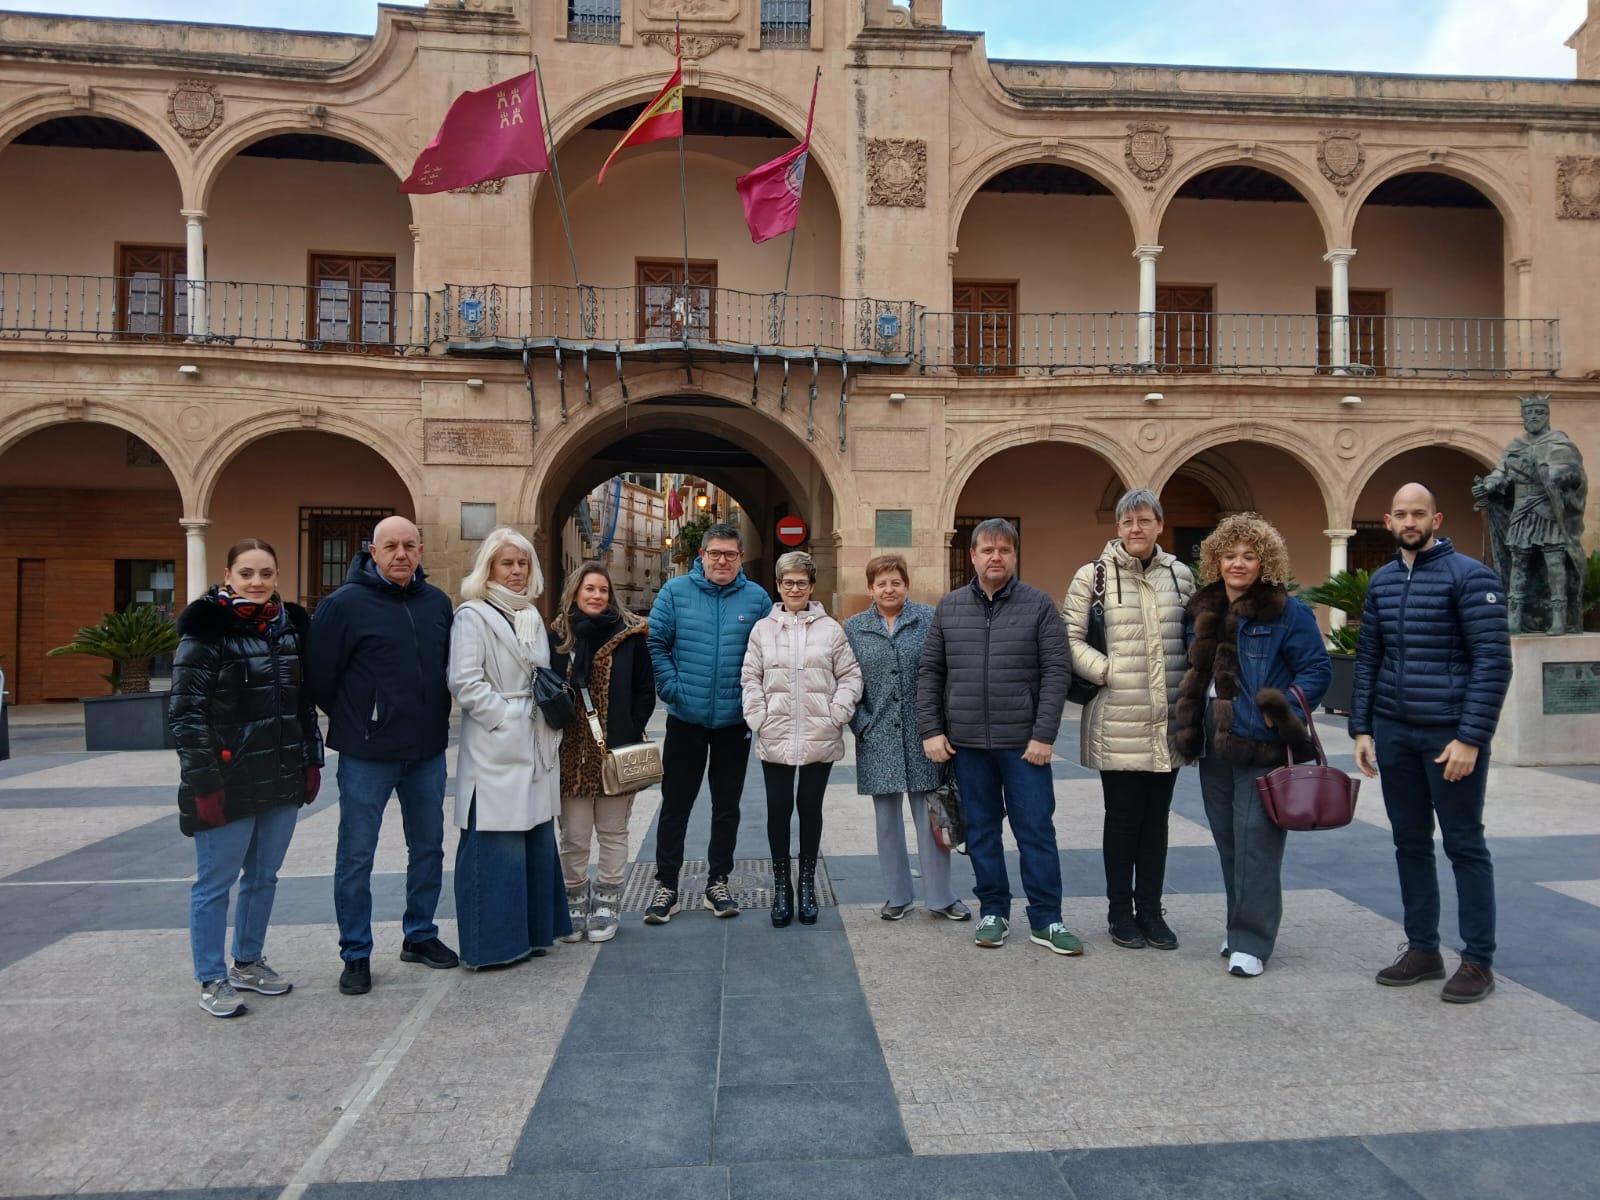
(561,623)
(1253,530)
(477,580)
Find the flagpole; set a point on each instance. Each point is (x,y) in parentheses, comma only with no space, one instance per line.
(795,232)
(555,170)
(683,173)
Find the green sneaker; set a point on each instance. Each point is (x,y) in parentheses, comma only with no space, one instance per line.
(1057,937)
(991,932)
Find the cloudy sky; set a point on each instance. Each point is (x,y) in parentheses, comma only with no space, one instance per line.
(1459,37)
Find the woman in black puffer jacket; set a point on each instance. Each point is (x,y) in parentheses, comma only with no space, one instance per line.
(249,755)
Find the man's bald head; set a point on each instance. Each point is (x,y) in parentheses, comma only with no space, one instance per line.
(397,549)
(1413,517)
(1411,494)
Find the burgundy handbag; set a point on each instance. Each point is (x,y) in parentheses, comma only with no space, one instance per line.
(1304,796)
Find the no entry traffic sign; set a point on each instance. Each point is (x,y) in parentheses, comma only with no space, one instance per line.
(791,531)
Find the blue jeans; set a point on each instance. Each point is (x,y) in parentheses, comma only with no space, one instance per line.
(252,845)
(1414,789)
(365,785)
(996,784)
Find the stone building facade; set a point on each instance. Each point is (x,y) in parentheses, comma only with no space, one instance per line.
(1016,288)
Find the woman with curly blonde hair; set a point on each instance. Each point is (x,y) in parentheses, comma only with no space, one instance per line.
(1251,643)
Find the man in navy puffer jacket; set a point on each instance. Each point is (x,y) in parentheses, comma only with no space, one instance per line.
(699,627)
(1432,669)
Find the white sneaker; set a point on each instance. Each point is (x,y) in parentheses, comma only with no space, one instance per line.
(1246,966)
(1225,951)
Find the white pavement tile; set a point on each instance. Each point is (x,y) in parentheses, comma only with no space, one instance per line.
(134,768)
(1520,802)
(35,835)
(1587,890)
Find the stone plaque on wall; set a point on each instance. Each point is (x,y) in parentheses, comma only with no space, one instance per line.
(889,448)
(891,527)
(1578,188)
(1571,688)
(476,443)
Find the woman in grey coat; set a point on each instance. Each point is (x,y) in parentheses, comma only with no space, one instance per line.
(887,639)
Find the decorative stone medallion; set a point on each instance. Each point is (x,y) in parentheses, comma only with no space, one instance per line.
(194,109)
(897,172)
(1148,152)
(1152,436)
(695,45)
(698,10)
(1341,157)
(1578,188)
(489,187)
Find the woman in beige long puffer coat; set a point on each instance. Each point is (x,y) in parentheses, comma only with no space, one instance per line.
(1126,731)
(801,683)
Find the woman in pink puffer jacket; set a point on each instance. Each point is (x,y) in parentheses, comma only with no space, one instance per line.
(801,683)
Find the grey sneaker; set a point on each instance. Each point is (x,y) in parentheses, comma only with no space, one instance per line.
(893,912)
(954,911)
(220,1000)
(258,977)
(606,914)
(991,932)
(578,913)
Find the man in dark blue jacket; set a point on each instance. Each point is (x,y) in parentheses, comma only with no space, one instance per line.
(1432,668)
(699,627)
(379,648)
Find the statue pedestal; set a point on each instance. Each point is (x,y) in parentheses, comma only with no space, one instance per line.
(1552,712)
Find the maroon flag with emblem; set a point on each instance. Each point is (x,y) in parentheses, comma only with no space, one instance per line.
(771,193)
(487,134)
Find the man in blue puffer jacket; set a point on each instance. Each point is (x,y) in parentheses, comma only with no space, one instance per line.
(699,627)
(1432,669)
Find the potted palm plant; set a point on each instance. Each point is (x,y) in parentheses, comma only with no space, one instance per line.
(132,717)
(1346,592)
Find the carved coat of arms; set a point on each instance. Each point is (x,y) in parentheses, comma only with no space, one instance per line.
(1341,157)
(194,109)
(897,172)
(1148,151)
(1578,188)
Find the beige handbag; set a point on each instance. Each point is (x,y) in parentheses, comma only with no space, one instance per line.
(626,769)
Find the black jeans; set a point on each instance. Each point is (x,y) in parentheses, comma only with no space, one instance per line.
(782,801)
(1134,841)
(683,766)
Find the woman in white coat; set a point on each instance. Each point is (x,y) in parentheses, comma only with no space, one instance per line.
(801,684)
(510,903)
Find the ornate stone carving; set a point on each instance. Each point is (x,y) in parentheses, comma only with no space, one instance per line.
(695,45)
(1578,188)
(1148,152)
(1152,436)
(489,187)
(897,172)
(1341,157)
(694,10)
(194,109)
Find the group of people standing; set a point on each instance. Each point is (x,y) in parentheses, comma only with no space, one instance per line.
(1223,674)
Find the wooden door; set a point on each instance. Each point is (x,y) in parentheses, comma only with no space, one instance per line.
(352,301)
(1368,327)
(983,327)
(152,292)
(674,307)
(330,539)
(1184,327)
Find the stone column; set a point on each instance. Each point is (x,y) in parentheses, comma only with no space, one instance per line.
(1339,309)
(195,226)
(1338,560)
(194,576)
(1145,348)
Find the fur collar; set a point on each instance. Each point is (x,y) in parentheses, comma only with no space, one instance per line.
(1214,655)
(210,622)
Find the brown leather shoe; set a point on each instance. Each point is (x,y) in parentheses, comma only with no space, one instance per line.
(1413,966)
(1471,983)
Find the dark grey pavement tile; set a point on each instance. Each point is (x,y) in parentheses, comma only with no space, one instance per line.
(1325,1169)
(88,797)
(790,965)
(612,1111)
(14,947)
(800,1039)
(217,1193)
(621,1014)
(758,924)
(967,1177)
(675,948)
(664,1183)
(28,753)
(1551,1162)
(154,850)
(769,1122)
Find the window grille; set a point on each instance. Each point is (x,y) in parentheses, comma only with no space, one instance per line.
(785,24)
(594,21)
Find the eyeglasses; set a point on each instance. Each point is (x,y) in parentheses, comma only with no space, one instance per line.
(721,555)
(794,585)
(1137,523)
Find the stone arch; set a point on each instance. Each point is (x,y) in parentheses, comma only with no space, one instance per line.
(1466,441)
(960,472)
(1135,206)
(1311,186)
(1231,494)
(1468,168)
(575,117)
(1286,440)
(24,116)
(227,444)
(218,152)
(126,417)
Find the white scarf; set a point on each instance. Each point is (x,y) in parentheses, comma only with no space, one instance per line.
(525,622)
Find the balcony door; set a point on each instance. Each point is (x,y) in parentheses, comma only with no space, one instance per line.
(1184,327)
(1368,341)
(983,327)
(152,292)
(352,300)
(672,306)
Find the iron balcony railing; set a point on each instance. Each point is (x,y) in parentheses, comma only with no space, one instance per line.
(668,315)
(372,317)
(1305,343)
(785,24)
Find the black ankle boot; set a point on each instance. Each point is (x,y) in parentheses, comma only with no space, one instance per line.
(808,891)
(782,894)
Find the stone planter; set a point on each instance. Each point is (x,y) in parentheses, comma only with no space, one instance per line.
(131,722)
(1343,684)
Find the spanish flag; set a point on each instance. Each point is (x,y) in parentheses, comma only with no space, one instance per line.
(661,118)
